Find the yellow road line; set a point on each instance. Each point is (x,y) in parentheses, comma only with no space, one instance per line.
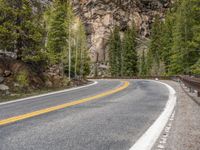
(50,109)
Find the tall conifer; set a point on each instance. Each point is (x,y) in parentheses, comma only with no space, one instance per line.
(129,53)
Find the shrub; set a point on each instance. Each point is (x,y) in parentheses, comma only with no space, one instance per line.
(22,79)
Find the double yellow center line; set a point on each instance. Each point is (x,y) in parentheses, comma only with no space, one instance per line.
(58,107)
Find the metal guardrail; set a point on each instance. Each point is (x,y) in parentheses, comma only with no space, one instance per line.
(192,83)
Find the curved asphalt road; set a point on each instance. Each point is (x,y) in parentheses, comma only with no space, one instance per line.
(113,122)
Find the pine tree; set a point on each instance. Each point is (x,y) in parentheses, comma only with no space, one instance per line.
(58,32)
(118,51)
(112,54)
(176,41)
(115,53)
(20,29)
(67,42)
(167,40)
(143,69)
(7,26)
(154,53)
(129,53)
(195,43)
(83,57)
(183,56)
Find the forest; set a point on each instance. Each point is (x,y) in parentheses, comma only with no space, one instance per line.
(44,34)
(173,48)
(42,46)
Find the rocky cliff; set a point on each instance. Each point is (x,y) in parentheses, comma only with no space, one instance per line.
(100,16)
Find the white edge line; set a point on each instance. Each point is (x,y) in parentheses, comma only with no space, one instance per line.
(47,94)
(149,138)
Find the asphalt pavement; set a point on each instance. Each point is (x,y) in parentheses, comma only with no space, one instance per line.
(112,122)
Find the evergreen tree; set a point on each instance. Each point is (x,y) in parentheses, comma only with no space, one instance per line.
(7,26)
(167,40)
(154,53)
(129,53)
(175,41)
(183,56)
(58,31)
(115,52)
(195,43)
(83,53)
(67,42)
(112,54)
(20,29)
(143,69)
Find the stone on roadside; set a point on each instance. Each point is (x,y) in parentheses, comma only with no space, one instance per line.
(4,87)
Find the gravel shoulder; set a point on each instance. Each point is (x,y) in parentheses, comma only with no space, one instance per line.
(183,130)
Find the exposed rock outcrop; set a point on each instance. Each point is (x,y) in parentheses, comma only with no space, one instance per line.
(54,77)
(100,17)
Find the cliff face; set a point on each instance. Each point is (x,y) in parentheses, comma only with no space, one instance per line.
(100,17)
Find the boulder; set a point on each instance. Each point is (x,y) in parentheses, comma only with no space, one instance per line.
(7,73)
(48,84)
(4,90)
(4,87)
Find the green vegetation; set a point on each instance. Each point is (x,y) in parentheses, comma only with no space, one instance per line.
(57,31)
(174,45)
(115,48)
(122,53)
(21,29)
(143,65)
(80,56)
(22,79)
(154,53)
(129,53)
(66,42)
(175,42)
(44,36)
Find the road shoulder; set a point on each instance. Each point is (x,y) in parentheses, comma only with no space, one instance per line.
(182,131)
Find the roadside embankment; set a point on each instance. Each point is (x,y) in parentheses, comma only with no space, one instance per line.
(19,79)
(183,130)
